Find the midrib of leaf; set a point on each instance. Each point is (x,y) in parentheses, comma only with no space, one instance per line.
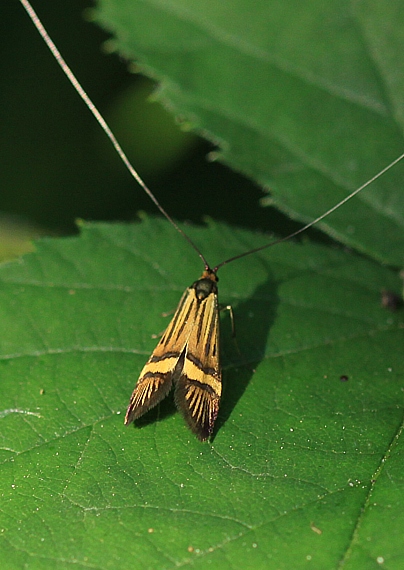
(371,487)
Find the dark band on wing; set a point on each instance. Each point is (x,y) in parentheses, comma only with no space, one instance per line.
(205,369)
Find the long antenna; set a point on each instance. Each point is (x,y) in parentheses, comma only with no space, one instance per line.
(307,226)
(102,122)
(105,127)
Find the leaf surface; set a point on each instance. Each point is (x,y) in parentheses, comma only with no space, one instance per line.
(304,98)
(305,467)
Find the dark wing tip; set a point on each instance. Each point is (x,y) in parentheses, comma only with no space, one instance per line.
(199,405)
(148,392)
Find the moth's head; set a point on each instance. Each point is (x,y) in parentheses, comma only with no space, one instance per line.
(209,274)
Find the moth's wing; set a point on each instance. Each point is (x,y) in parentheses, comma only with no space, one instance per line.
(199,387)
(165,363)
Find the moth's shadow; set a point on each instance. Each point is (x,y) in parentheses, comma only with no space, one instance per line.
(254,318)
(164,409)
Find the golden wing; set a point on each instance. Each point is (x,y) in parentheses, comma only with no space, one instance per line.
(199,386)
(156,377)
(187,355)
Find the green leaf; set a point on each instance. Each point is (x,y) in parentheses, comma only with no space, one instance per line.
(297,452)
(303,97)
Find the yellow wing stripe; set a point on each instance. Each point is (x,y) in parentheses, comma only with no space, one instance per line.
(194,373)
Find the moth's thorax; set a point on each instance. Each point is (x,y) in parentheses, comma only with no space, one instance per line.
(206,285)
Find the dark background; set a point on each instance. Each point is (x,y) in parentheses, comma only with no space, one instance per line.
(57,165)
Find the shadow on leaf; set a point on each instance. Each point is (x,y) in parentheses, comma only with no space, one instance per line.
(254,318)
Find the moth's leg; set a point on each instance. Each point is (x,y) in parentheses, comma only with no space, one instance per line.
(232,319)
(233,328)
(164,314)
(233,325)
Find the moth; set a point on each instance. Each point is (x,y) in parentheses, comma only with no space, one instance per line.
(187,357)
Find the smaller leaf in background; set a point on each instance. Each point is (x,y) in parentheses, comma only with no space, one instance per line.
(290,94)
